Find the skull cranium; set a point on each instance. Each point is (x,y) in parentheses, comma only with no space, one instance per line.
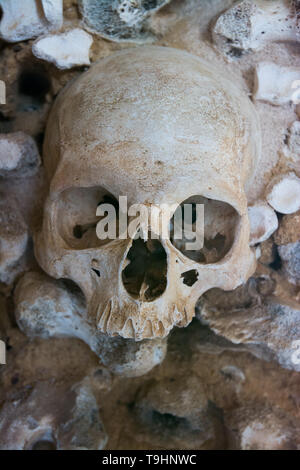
(159,126)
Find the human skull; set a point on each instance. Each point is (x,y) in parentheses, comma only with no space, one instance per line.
(159,126)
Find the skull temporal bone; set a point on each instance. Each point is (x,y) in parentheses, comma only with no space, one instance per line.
(159,126)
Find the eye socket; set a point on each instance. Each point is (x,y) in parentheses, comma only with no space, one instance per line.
(77,219)
(220,226)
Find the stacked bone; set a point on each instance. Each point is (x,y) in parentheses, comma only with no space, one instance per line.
(255,345)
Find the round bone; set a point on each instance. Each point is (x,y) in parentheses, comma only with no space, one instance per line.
(284,195)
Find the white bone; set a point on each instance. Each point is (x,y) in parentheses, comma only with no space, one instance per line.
(276,84)
(119,20)
(284,195)
(250,25)
(19,156)
(64,50)
(263,222)
(29,18)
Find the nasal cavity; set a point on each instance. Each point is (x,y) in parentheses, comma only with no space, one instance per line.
(145,277)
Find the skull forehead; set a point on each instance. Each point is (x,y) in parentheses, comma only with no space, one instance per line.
(148,119)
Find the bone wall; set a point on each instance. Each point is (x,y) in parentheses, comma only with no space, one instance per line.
(230,379)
